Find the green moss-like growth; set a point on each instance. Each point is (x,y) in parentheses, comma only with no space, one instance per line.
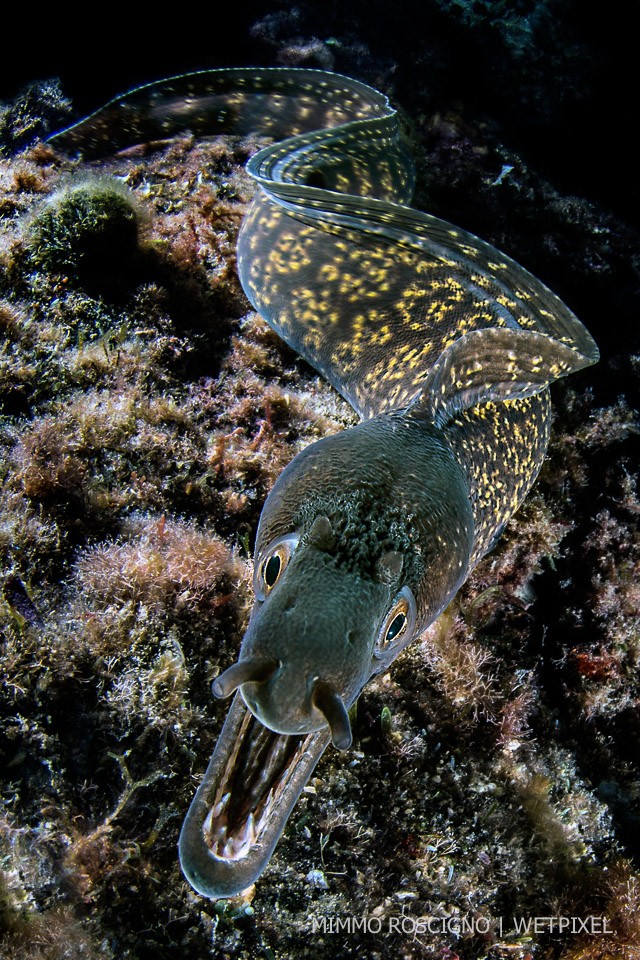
(85,230)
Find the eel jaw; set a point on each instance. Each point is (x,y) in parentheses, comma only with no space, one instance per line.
(242,805)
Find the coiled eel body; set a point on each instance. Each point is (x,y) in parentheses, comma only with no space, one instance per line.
(445,348)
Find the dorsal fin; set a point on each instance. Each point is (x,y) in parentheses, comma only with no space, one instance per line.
(494,364)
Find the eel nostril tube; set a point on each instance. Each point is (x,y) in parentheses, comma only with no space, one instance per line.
(330,704)
(251,670)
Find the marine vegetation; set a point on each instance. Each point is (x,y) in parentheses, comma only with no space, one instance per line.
(443,345)
(147,414)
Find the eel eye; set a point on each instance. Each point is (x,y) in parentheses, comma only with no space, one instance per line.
(399,624)
(272,564)
(271,570)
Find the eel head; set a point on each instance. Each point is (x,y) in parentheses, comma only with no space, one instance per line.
(347,570)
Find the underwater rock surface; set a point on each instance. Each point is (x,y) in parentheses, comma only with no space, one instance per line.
(145,414)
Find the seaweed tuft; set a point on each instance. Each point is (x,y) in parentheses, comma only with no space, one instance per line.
(87,230)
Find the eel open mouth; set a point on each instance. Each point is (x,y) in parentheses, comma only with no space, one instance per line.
(242,805)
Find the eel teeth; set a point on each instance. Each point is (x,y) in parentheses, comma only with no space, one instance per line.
(236,847)
(214,814)
(208,823)
(250,828)
(221,837)
(219,807)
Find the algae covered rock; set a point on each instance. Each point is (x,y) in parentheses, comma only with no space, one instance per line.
(86,229)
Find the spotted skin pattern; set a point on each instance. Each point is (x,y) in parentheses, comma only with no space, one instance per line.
(442,344)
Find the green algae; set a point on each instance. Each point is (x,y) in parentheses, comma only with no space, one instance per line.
(86,230)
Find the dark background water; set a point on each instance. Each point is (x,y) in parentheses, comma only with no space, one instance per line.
(562,77)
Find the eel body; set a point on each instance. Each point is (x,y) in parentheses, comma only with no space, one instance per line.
(443,345)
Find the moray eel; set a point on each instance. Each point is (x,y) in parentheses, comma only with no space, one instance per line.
(443,345)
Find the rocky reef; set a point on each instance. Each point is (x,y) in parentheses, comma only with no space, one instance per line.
(146,412)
